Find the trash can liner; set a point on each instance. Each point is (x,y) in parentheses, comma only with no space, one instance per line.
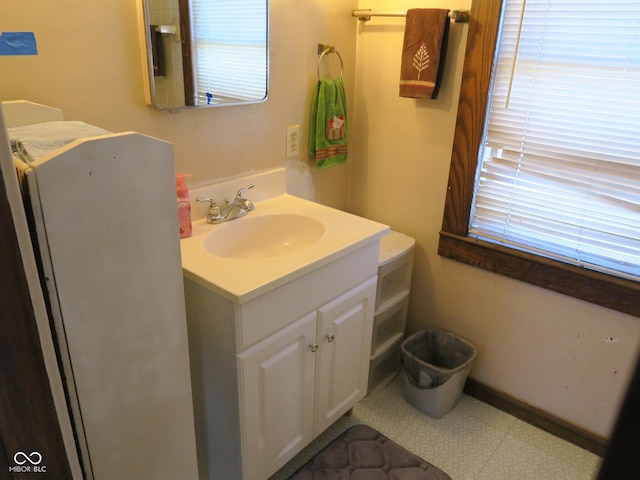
(432,356)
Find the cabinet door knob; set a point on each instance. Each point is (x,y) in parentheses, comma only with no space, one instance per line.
(313,347)
(330,337)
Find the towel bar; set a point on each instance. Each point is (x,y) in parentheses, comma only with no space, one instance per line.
(325,49)
(458,16)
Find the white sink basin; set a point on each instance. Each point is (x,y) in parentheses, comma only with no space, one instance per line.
(284,238)
(266,236)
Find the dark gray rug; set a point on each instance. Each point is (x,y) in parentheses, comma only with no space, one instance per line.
(362,453)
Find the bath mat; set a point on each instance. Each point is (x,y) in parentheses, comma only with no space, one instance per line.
(362,453)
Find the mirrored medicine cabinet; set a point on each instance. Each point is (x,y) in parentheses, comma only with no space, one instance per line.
(207,53)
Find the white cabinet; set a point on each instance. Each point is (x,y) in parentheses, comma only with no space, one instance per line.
(271,374)
(300,380)
(276,392)
(344,336)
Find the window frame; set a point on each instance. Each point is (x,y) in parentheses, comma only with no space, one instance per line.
(599,288)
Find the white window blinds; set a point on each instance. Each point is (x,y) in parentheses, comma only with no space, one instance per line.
(559,171)
(229,43)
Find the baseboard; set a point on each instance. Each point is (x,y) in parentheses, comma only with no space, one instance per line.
(543,420)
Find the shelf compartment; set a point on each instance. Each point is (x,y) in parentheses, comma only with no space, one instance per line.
(389,322)
(384,367)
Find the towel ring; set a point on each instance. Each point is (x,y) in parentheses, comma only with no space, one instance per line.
(326,50)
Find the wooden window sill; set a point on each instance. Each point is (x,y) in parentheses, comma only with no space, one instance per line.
(595,287)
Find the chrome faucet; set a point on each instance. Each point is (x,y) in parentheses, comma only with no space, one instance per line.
(238,207)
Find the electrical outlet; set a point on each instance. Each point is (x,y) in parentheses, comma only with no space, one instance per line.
(293,141)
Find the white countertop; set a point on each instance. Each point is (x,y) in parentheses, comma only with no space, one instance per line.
(241,280)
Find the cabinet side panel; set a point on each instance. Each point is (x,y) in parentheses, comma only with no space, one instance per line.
(108,205)
(213,376)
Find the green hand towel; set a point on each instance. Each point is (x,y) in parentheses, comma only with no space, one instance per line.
(328,131)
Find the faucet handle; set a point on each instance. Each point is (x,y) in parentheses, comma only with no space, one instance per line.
(214,208)
(243,190)
(212,201)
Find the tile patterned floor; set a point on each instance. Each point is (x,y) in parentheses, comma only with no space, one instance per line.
(473,442)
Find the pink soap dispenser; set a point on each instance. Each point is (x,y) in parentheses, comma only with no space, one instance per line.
(184,206)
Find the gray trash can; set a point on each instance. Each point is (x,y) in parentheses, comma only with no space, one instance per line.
(435,368)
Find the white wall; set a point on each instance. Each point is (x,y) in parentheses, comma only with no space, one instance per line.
(89,64)
(549,350)
(562,355)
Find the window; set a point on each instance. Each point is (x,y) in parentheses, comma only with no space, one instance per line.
(533,161)
(229,41)
(560,160)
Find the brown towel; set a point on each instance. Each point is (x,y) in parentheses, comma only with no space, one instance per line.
(423,52)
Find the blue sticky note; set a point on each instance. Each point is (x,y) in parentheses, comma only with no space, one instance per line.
(18,43)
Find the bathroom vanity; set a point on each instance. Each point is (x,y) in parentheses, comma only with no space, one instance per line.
(279,327)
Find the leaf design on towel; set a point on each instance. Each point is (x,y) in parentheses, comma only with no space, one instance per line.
(421,59)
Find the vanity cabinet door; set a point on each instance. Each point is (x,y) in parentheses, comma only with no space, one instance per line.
(344,337)
(276,398)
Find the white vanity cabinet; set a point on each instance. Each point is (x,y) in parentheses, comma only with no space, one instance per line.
(271,374)
(300,380)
